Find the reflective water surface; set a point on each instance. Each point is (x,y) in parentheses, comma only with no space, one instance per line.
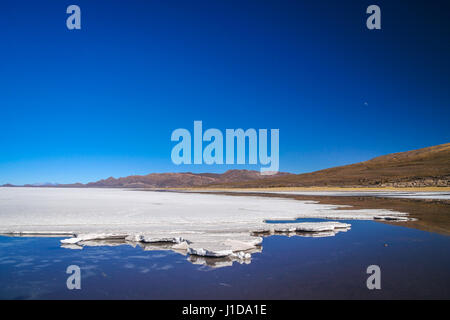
(414,264)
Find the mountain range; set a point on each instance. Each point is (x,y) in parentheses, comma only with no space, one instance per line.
(417,168)
(177,180)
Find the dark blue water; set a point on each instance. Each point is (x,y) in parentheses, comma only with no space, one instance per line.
(414,264)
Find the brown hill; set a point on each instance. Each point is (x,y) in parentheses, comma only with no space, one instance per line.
(423,167)
(179,180)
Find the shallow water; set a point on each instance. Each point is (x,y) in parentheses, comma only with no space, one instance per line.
(414,264)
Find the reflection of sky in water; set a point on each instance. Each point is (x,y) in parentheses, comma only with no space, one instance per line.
(414,264)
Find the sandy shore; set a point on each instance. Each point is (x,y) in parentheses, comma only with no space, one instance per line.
(350,189)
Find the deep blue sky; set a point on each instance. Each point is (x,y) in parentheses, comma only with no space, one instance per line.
(104,100)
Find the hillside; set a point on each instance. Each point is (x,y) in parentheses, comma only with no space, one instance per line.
(418,168)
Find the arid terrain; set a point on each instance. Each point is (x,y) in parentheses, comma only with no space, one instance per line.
(427,167)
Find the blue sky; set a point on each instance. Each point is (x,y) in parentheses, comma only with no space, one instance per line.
(102,101)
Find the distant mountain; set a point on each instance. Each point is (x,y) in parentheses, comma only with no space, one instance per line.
(179,180)
(42,184)
(38,184)
(418,168)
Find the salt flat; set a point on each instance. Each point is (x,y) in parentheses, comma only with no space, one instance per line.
(198,224)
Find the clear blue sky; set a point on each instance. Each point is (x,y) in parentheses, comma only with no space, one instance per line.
(103,101)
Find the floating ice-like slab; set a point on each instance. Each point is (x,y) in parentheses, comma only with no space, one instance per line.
(47,234)
(303,226)
(220,262)
(153,238)
(200,251)
(94,236)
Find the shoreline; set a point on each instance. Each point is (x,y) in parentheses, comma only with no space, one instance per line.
(432,215)
(293,189)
